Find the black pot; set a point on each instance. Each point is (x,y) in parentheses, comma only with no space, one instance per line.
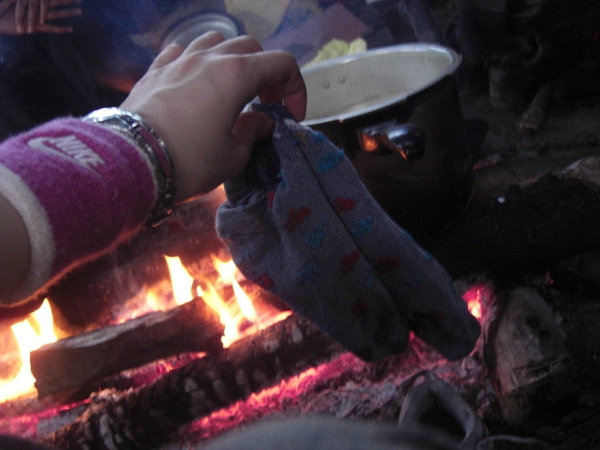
(395,111)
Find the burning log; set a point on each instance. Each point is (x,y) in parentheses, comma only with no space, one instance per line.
(144,417)
(81,360)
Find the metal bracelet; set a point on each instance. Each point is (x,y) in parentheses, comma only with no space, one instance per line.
(133,126)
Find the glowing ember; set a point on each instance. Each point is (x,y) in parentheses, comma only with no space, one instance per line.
(476,298)
(31,333)
(369,143)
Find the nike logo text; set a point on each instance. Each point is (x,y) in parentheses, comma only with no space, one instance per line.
(68,147)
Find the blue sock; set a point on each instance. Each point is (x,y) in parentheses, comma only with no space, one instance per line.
(300,223)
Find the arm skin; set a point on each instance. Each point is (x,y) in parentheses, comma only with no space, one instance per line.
(203,89)
(14,248)
(194,98)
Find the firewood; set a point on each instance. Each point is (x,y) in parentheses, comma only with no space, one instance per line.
(523,221)
(534,117)
(524,349)
(144,417)
(79,361)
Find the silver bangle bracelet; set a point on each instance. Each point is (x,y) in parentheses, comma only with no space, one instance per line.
(132,125)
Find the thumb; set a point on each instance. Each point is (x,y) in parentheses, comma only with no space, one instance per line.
(251,127)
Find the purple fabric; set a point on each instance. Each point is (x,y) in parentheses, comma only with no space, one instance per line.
(94,186)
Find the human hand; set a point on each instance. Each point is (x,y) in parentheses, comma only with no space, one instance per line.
(36,16)
(194,99)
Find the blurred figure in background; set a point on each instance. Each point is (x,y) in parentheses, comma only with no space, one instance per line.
(80,59)
(37,16)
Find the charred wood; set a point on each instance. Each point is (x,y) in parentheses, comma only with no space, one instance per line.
(144,417)
(109,282)
(79,361)
(524,349)
(525,216)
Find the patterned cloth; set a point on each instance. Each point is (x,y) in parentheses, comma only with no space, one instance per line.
(299,222)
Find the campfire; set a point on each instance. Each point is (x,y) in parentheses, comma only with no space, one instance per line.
(202,351)
(163,344)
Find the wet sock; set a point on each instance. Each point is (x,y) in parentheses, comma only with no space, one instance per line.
(299,222)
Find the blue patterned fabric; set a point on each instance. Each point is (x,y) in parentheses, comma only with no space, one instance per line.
(299,222)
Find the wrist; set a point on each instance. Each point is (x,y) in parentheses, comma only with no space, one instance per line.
(134,127)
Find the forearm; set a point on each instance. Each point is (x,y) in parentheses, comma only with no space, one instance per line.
(71,190)
(194,98)
(14,248)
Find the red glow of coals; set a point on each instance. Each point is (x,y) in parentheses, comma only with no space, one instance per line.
(289,396)
(478,298)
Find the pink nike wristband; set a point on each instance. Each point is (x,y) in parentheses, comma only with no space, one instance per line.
(79,188)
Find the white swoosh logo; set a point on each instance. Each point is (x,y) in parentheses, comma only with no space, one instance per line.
(69,147)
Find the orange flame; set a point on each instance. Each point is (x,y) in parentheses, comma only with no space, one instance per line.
(369,143)
(228,271)
(475,308)
(31,333)
(37,329)
(181,280)
(231,316)
(475,299)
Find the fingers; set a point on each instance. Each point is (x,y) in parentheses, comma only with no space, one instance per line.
(240,45)
(44,6)
(211,41)
(276,74)
(173,51)
(166,56)
(55,14)
(33,14)
(20,9)
(52,29)
(206,41)
(252,126)
(5,5)
(281,81)
(56,3)
(69,8)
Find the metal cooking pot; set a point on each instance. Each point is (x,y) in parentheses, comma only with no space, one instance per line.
(185,30)
(395,111)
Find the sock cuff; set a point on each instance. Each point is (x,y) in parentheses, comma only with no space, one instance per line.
(78,187)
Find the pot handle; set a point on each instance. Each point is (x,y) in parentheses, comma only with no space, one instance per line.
(406,139)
